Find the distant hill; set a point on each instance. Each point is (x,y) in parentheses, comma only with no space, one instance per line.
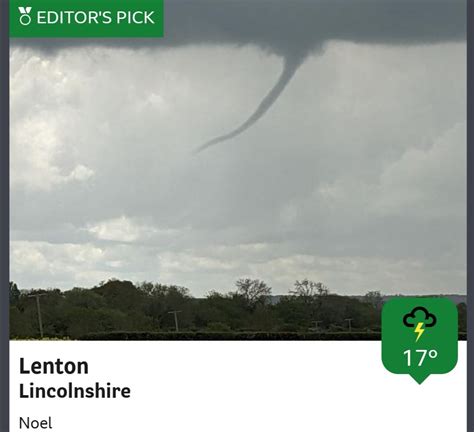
(455,298)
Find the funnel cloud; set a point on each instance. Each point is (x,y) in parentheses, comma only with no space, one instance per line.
(290,66)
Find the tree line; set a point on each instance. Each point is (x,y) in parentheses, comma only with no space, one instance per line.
(116,305)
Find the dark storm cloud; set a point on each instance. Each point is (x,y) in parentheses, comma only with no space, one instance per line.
(293,30)
(299,26)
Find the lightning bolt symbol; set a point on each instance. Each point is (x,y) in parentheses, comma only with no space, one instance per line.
(420,330)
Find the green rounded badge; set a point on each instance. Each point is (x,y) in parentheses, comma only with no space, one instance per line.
(419,336)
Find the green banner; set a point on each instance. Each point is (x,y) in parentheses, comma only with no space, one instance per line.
(419,336)
(86,18)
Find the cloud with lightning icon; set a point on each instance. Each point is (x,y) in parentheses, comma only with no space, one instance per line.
(429,320)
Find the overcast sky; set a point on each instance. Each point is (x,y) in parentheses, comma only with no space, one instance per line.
(355,176)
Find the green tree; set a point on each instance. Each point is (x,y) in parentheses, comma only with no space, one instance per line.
(462,317)
(375,299)
(162,299)
(14,294)
(253,291)
(308,290)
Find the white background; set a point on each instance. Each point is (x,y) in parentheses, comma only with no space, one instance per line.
(241,386)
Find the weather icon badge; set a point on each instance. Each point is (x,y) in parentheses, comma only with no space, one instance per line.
(419,336)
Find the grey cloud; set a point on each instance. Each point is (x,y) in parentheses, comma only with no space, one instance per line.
(300,26)
(294,30)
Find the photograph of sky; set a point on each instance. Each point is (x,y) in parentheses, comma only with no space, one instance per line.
(272,140)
